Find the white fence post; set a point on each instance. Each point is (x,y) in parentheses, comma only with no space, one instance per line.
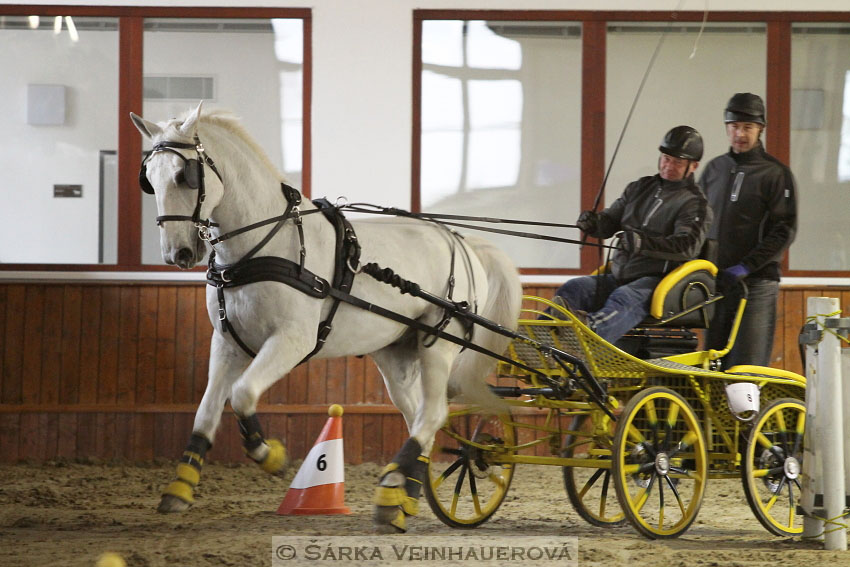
(824,404)
(812,476)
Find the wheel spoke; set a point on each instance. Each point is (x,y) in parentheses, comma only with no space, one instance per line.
(473,489)
(661,504)
(604,499)
(676,494)
(644,496)
(590,482)
(458,487)
(448,472)
(791,507)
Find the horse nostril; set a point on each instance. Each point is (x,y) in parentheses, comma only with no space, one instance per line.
(183,257)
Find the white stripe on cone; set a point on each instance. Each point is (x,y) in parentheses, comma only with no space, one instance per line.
(323,465)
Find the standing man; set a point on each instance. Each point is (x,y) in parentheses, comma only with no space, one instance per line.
(664,221)
(753,197)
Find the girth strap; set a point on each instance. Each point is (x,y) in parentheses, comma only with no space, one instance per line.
(270,268)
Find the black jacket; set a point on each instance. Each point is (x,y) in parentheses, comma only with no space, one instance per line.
(753,196)
(671,217)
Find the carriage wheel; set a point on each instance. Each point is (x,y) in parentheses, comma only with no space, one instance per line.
(660,463)
(773,461)
(466,482)
(590,490)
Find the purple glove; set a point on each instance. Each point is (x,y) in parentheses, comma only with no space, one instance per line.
(630,241)
(729,278)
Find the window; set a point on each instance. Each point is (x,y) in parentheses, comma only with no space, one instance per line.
(266,94)
(820,144)
(71,76)
(56,120)
(501,112)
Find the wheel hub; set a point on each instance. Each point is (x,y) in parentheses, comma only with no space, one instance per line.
(662,464)
(792,468)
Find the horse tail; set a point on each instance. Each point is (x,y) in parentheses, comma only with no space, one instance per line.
(504,299)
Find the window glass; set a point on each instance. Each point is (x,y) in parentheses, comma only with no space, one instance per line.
(187,60)
(60,91)
(501,128)
(693,76)
(820,144)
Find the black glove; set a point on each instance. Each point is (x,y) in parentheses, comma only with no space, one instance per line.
(728,279)
(630,241)
(588,222)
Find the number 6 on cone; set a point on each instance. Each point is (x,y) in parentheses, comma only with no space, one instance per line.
(319,486)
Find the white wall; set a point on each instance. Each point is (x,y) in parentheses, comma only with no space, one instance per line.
(362,65)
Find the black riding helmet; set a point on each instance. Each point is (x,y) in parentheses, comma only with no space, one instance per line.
(745,107)
(682,142)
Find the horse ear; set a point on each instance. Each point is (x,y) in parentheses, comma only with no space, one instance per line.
(190,125)
(146,127)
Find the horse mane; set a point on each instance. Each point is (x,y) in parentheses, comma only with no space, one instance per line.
(226,120)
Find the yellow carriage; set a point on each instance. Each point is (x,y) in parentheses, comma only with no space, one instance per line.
(637,439)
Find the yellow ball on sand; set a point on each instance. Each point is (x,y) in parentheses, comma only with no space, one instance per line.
(335,410)
(110,559)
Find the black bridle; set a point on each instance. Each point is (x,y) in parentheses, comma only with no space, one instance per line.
(192,175)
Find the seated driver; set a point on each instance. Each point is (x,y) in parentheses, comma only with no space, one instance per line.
(664,219)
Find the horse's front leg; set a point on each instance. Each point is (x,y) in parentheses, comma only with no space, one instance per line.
(400,484)
(278,355)
(226,363)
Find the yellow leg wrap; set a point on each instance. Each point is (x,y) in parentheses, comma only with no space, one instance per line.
(180,489)
(410,506)
(188,474)
(400,521)
(389,496)
(276,459)
(388,469)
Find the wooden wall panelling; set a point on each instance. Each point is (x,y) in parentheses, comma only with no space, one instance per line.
(10,433)
(90,343)
(86,435)
(203,335)
(145,385)
(69,380)
(184,345)
(335,381)
(12,364)
(128,345)
(317,371)
(51,353)
(33,333)
(108,368)
(166,322)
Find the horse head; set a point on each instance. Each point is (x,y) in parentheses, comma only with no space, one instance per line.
(185,196)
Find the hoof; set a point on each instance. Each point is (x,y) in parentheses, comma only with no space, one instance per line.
(171,504)
(389,520)
(277,459)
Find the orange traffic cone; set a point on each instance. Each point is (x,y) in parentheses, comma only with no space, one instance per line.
(319,486)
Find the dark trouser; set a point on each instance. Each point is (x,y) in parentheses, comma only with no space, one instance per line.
(612,310)
(754,343)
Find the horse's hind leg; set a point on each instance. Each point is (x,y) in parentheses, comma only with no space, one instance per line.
(225,366)
(400,485)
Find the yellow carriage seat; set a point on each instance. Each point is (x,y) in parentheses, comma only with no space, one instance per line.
(685,297)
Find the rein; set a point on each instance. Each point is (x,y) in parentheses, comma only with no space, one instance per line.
(438,218)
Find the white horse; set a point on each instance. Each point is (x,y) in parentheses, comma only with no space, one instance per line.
(280,323)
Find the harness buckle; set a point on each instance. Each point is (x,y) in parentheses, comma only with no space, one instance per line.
(321,284)
(203,232)
(354,269)
(224,277)
(222,314)
(341,201)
